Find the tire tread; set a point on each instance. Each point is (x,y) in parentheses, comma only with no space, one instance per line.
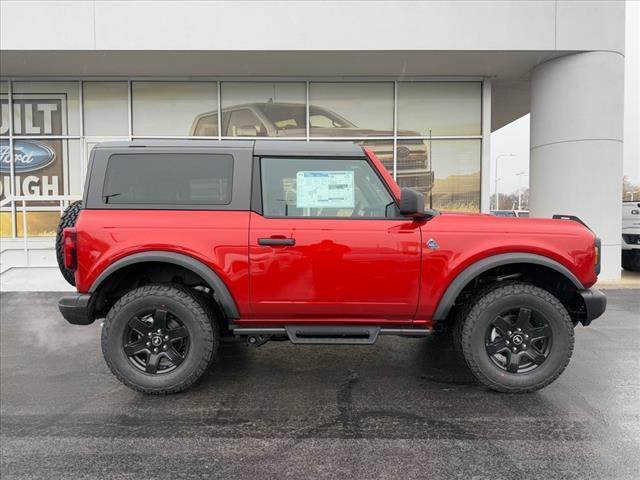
(195,303)
(474,308)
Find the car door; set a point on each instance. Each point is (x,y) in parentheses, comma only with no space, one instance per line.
(327,243)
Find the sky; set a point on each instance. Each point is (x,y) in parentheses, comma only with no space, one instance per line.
(514,137)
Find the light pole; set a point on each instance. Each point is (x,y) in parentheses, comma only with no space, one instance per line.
(498,158)
(519,175)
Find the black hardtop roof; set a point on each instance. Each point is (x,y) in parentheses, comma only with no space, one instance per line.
(268,148)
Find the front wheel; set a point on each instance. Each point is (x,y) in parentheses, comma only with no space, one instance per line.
(516,338)
(159,338)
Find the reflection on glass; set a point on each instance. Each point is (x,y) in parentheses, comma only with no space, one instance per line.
(40,167)
(456,175)
(351,109)
(413,166)
(105,108)
(445,108)
(170,108)
(257,109)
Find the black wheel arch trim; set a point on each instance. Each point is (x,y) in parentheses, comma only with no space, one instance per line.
(487,263)
(214,281)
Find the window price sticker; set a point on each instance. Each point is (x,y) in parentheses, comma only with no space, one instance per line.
(325,189)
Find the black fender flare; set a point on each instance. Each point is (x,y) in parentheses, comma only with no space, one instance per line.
(222,293)
(475,269)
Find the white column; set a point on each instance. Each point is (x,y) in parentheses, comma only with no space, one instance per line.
(576,145)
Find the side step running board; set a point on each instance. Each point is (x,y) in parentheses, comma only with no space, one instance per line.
(325,334)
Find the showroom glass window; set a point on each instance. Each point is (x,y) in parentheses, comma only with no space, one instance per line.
(428,134)
(46,158)
(166,109)
(263,109)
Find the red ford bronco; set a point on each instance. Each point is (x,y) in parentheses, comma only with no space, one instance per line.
(176,244)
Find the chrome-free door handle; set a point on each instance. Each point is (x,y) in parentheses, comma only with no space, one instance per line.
(276,241)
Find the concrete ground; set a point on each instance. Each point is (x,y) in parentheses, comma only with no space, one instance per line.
(402,409)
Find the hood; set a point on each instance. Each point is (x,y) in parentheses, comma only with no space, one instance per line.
(491,223)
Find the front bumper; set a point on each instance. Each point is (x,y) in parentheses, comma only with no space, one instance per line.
(77,308)
(595,303)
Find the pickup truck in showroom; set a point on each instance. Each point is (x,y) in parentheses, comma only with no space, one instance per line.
(177,243)
(288,119)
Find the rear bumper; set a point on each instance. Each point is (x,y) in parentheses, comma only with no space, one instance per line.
(595,303)
(76,308)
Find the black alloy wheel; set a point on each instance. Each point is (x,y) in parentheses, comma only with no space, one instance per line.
(156,342)
(519,340)
(160,338)
(515,337)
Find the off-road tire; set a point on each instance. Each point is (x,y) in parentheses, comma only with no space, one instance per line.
(456,331)
(195,314)
(68,219)
(480,311)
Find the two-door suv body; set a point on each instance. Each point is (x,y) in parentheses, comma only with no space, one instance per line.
(178,243)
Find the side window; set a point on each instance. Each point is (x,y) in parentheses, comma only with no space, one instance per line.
(168,179)
(206,126)
(323,188)
(244,123)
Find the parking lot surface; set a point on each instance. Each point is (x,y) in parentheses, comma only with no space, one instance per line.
(402,409)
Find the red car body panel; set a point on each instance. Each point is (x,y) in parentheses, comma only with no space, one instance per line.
(340,268)
(351,270)
(216,238)
(466,239)
(339,271)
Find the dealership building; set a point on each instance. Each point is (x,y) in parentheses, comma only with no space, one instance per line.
(423,84)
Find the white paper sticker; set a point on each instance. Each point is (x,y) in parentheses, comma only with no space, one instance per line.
(325,190)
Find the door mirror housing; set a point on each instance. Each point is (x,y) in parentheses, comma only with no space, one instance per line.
(247,131)
(412,203)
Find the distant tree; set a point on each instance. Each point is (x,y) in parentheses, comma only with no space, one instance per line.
(509,201)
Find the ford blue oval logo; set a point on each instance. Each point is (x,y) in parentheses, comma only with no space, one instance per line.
(29,155)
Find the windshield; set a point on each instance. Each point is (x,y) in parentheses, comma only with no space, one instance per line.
(292,117)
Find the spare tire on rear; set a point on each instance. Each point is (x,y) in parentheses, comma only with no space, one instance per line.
(68,219)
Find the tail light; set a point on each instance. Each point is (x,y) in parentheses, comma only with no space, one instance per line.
(598,254)
(70,248)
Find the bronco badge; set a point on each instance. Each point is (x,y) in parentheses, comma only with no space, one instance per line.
(432,244)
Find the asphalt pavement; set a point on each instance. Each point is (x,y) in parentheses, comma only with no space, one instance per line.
(404,408)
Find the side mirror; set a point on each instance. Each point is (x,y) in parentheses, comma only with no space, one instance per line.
(246,131)
(411,203)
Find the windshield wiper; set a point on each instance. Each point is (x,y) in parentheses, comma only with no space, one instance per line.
(105,198)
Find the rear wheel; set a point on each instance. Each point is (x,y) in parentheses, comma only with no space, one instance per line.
(159,338)
(516,338)
(68,219)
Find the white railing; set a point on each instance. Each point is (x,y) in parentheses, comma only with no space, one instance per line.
(63,201)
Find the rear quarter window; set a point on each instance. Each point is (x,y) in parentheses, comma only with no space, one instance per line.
(168,179)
